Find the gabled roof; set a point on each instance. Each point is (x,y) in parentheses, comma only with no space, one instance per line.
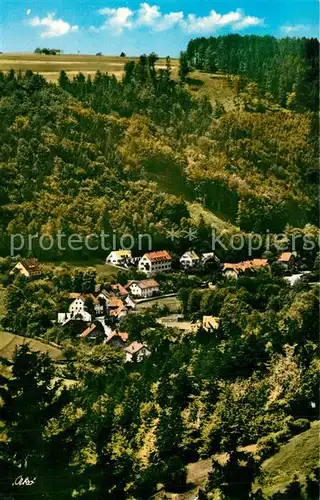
(143,284)
(134,347)
(160,256)
(88,330)
(121,253)
(121,335)
(285,257)
(120,289)
(191,255)
(245,264)
(32,266)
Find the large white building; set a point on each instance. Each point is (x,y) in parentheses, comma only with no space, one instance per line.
(155,262)
(118,257)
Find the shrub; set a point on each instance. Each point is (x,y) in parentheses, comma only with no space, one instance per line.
(267,446)
(300,425)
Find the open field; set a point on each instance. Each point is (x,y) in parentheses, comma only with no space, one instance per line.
(172,303)
(9,342)
(50,66)
(103,270)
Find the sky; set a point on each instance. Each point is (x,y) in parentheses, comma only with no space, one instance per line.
(136,27)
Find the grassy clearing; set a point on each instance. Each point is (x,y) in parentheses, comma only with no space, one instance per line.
(299,456)
(104,271)
(9,342)
(173,304)
(197,210)
(214,86)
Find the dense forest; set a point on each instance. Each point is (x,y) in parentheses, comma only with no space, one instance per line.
(90,154)
(81,156)
(287,68)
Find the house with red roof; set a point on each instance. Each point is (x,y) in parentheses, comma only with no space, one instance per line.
(155,262)
(136,352)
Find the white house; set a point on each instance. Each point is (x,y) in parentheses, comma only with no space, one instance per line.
(118,257)
(155,262)
(65,317)
(143,288)
(136,351)
(189,259)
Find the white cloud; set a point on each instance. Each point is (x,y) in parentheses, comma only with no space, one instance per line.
(289,29)
(168,21)
(148,14)
(117,19)
(53,27)
(151,16)
(28,12)
(237,20)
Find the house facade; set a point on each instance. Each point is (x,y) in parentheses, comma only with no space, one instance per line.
(118,257)
(155,262)
(189,259)
(143,288)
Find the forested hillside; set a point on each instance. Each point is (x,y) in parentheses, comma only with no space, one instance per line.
(124,420)
(82,156)
(287,68)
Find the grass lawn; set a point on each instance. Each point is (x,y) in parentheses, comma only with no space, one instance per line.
(173,303)
(299,456)
(9,342)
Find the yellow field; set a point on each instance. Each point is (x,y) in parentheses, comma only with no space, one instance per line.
(50,66)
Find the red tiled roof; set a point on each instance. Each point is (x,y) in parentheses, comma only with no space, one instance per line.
(86,332)
(246,264)
(121,289)
(285,257)
(134,347)
(122,335)
(160,256)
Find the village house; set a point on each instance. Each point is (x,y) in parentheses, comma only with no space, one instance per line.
(94,332)
(189,259)
(119,257)
(143,288)
(30,268)
(78,303)
(286,259)
(116,308)
(209,257)
(64,318)
(155,262)
(117,339)
(231,270)
(136,352)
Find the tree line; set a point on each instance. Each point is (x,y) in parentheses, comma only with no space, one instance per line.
(286,68)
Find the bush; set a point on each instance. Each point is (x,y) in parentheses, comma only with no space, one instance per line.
(300,425)
(267,446)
